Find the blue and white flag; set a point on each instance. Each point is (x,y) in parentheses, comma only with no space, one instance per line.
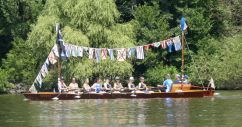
(130,52)
(169,45)
(177,43)
(60,42)
(110,52)
(98,54)
(183,24)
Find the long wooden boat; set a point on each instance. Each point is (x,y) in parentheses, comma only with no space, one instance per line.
(178,90)
(187,91)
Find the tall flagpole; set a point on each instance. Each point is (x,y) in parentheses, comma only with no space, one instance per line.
(183,28)
(182,68)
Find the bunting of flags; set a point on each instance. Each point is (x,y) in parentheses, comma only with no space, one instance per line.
(99,54)
(68,50)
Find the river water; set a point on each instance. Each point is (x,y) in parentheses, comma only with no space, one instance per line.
(224,110)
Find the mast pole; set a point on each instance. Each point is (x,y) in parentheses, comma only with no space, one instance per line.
(59,51)
(182,68)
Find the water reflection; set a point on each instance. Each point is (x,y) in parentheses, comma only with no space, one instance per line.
(213,111)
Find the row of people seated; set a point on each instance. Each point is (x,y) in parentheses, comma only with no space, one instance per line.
(117,86)
(179,79)
(98,86)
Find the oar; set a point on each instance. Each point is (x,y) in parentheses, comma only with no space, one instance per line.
(57,97)
(134,93)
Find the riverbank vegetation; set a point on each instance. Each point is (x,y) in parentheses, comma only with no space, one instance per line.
(27,34)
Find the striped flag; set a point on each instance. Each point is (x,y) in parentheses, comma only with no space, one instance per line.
(91,53)
(140,52)
(104,53)
(163,44)
(98,54)
(110,52)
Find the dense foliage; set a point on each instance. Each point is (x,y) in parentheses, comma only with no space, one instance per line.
(27,34)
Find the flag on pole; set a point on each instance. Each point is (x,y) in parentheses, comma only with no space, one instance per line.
(60,43)
(183,24)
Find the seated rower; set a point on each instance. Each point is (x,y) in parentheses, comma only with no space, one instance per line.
(97,86)
(131,85)
(142,85)
(186,79)
(117,85)
(178,79)
(167,83)
(61,85)
(107,86)
(86,86)
(73,86)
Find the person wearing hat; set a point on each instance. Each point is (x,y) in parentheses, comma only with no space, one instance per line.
(186,79)
(131,85)
(86,85)
(142,85)
(117,85)
(178,78)
(61,85)
(107,85)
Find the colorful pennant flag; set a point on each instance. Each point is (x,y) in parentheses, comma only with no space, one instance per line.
(121,54)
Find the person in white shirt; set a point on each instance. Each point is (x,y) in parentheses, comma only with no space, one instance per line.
(86,85)
(131,84)
(73,86)
(61,85)
(117,85)
(142,85)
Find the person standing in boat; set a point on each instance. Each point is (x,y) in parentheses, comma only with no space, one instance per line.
(142,85)
(97,86)
(73,86)
(86,86)
(168,83)
(131,85)
(61,85)
(107,86)
(117,85)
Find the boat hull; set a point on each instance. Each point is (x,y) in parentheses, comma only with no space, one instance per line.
(71,96)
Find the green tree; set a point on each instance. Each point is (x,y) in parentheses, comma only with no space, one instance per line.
(84,23)
(16,16)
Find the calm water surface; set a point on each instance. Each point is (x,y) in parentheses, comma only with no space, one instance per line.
(224,110)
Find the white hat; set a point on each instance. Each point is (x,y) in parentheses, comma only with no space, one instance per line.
(131,78)
(117,78)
